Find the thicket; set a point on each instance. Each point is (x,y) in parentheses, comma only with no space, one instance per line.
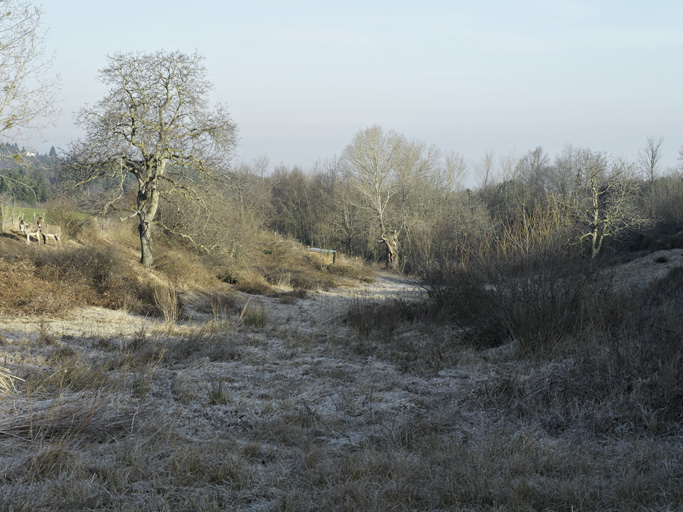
(607,206)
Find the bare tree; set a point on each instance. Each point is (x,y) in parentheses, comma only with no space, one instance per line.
(485,169)
(452,172)
(371,162)
(27,89)
(419,169)
(534,169)
(508,166)
(348,220)
(648,161)
(565,176)
(650,156)
(247,183)
(154,124)
(418,166)
(607,206)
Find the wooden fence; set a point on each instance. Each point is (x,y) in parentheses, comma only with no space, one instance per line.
(327,256)
(11,215)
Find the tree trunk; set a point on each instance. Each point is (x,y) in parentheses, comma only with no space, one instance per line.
(146,257)
(391,242)
(148,204)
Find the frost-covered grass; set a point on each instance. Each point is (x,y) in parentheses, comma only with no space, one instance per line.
(305,411)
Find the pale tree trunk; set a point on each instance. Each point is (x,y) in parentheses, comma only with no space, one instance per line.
(148,204)
(391,243)
(595,230)
(146,257)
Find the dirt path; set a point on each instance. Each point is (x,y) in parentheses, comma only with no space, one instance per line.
(326,309)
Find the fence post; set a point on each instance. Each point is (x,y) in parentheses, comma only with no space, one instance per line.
(10,217)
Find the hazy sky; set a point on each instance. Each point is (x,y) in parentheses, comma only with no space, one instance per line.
(301,78)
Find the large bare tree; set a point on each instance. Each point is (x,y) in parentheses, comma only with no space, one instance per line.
(156,125)
(371,163)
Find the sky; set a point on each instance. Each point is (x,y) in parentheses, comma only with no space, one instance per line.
(301,78)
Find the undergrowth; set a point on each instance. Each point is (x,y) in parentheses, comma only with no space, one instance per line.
(98,267)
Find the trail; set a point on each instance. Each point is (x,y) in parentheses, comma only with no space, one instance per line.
(326,309)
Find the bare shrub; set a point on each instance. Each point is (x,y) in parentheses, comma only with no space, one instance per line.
(376,318)
(539,305)
(525,285)
(632,347)
(64,213)
(621,372)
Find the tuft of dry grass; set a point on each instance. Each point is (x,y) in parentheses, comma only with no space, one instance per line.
(166,302)
(70,373)
(8,381)
(252,316)
(77,415)
(217,393)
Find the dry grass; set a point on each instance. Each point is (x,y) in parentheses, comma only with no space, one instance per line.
(294,425)
(8,381)
(273,265)
(54,281)
(166,301)
(252,316)
(80,416)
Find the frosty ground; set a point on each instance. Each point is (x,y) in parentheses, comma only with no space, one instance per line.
(283,403)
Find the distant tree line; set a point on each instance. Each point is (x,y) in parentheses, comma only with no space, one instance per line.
(385,184)
(27,177)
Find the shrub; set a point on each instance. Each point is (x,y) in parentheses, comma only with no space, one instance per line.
(52,282)
(525,284)
(64,213)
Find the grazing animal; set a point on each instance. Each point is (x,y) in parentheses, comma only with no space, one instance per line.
(29,230)
(49,231)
